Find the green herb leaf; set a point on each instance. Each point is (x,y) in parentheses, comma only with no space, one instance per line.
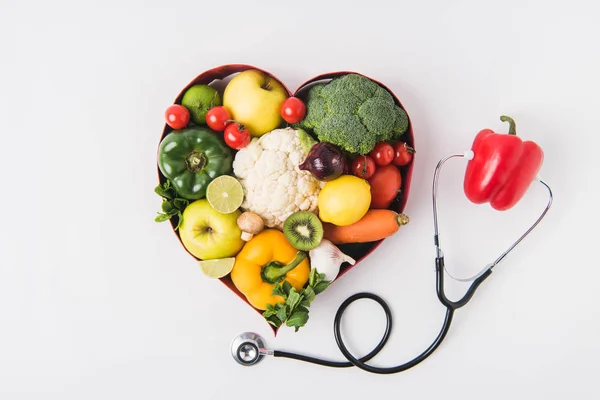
(287,287)
(274,321)
(312,276)
(270,311)
(282,312)
(298,319)
(321,286)
(162,217)
(180,204)
(309,294)
(293,299)
(166,206)
(278,291)
(179,221)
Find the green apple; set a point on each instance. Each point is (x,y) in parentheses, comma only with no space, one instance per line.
(254,99)
(208,234)
(198,100)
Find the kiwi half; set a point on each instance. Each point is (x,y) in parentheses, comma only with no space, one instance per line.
(303,230)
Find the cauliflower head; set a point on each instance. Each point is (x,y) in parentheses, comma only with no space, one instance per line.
(274,186)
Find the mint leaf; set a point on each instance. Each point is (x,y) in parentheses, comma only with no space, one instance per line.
(293,299)
(180,204)
(312,276)
(278,291)
(298,319)
(309,294)
(162,217)
(286,287)
(274,321)
(281,312)
(166,206)
(270,311)
(321,286)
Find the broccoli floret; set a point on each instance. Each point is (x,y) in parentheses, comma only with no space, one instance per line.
(354,113)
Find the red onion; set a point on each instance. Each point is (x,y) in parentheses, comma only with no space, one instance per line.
(325,161)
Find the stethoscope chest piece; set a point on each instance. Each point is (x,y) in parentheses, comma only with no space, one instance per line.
(248,349)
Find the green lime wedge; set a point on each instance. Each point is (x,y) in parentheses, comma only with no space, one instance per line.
(217,268)
(225,194)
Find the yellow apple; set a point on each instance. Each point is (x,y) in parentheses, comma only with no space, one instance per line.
(254,99)
(208,234)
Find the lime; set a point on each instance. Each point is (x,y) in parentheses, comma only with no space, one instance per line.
(198,100)
(217,268)
(225,194)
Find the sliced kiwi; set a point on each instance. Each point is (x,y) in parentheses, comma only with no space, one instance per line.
(303,230)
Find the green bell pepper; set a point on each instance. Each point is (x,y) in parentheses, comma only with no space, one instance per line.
(191,158)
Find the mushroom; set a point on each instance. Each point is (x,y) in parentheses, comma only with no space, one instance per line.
(251,224)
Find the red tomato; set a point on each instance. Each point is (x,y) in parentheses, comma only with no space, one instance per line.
(385,186)
(363,167)
(177,116)
(293,110)
(217,118)
(403,154)
(382,153)
(236,136)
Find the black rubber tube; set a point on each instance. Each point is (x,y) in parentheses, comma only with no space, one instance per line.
(361,362)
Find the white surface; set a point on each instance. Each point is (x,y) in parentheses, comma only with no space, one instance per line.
(98,301)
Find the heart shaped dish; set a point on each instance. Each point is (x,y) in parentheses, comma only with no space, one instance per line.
(279,194)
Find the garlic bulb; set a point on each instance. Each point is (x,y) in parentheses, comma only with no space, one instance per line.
(327,259)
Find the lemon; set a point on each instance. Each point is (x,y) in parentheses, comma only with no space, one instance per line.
(217,268)
(344,201)
(225,194)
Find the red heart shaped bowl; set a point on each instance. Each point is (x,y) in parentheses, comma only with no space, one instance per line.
(219,76)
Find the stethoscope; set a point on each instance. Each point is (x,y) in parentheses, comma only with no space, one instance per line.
(249,348)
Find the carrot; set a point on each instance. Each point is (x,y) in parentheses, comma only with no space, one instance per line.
(375,225)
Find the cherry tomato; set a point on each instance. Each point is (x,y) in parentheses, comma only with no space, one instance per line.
(363,167)
(385,183)
(236,136)
(177,116)
(403,154)
(217,118)
(382,153)
(293,110)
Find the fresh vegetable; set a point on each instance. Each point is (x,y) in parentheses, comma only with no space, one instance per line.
(324,161)
(172,204)
(403,154)
(254,99)
(354,113)
(225,194)
(251,224)
(328,259)
(385,183)
(236,136)
(303,230)
(294,310)
(217,118)
(344,200)
(363,167)
(502,169)
(265,260)
(293,110)
(198,99)
(375,225)
(192,157)
(382,153)
(177,116)
(274,186)
(207,234)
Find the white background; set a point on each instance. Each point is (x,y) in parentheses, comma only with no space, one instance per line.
(97,301)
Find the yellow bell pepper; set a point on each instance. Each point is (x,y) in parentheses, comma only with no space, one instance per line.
(266,259)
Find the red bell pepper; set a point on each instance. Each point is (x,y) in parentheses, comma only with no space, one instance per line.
(503,168)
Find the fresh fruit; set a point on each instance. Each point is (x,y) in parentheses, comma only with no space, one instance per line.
(236,136)
(217,118)
(217,268)
(191,158)
(403,154)
(375,225)
(254,99)
(382,153)
(177,116)
(293,110)
(303,230)
(198,100)
(208,234)
(363,167)
(344,200)
(225,194)
(385,186)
